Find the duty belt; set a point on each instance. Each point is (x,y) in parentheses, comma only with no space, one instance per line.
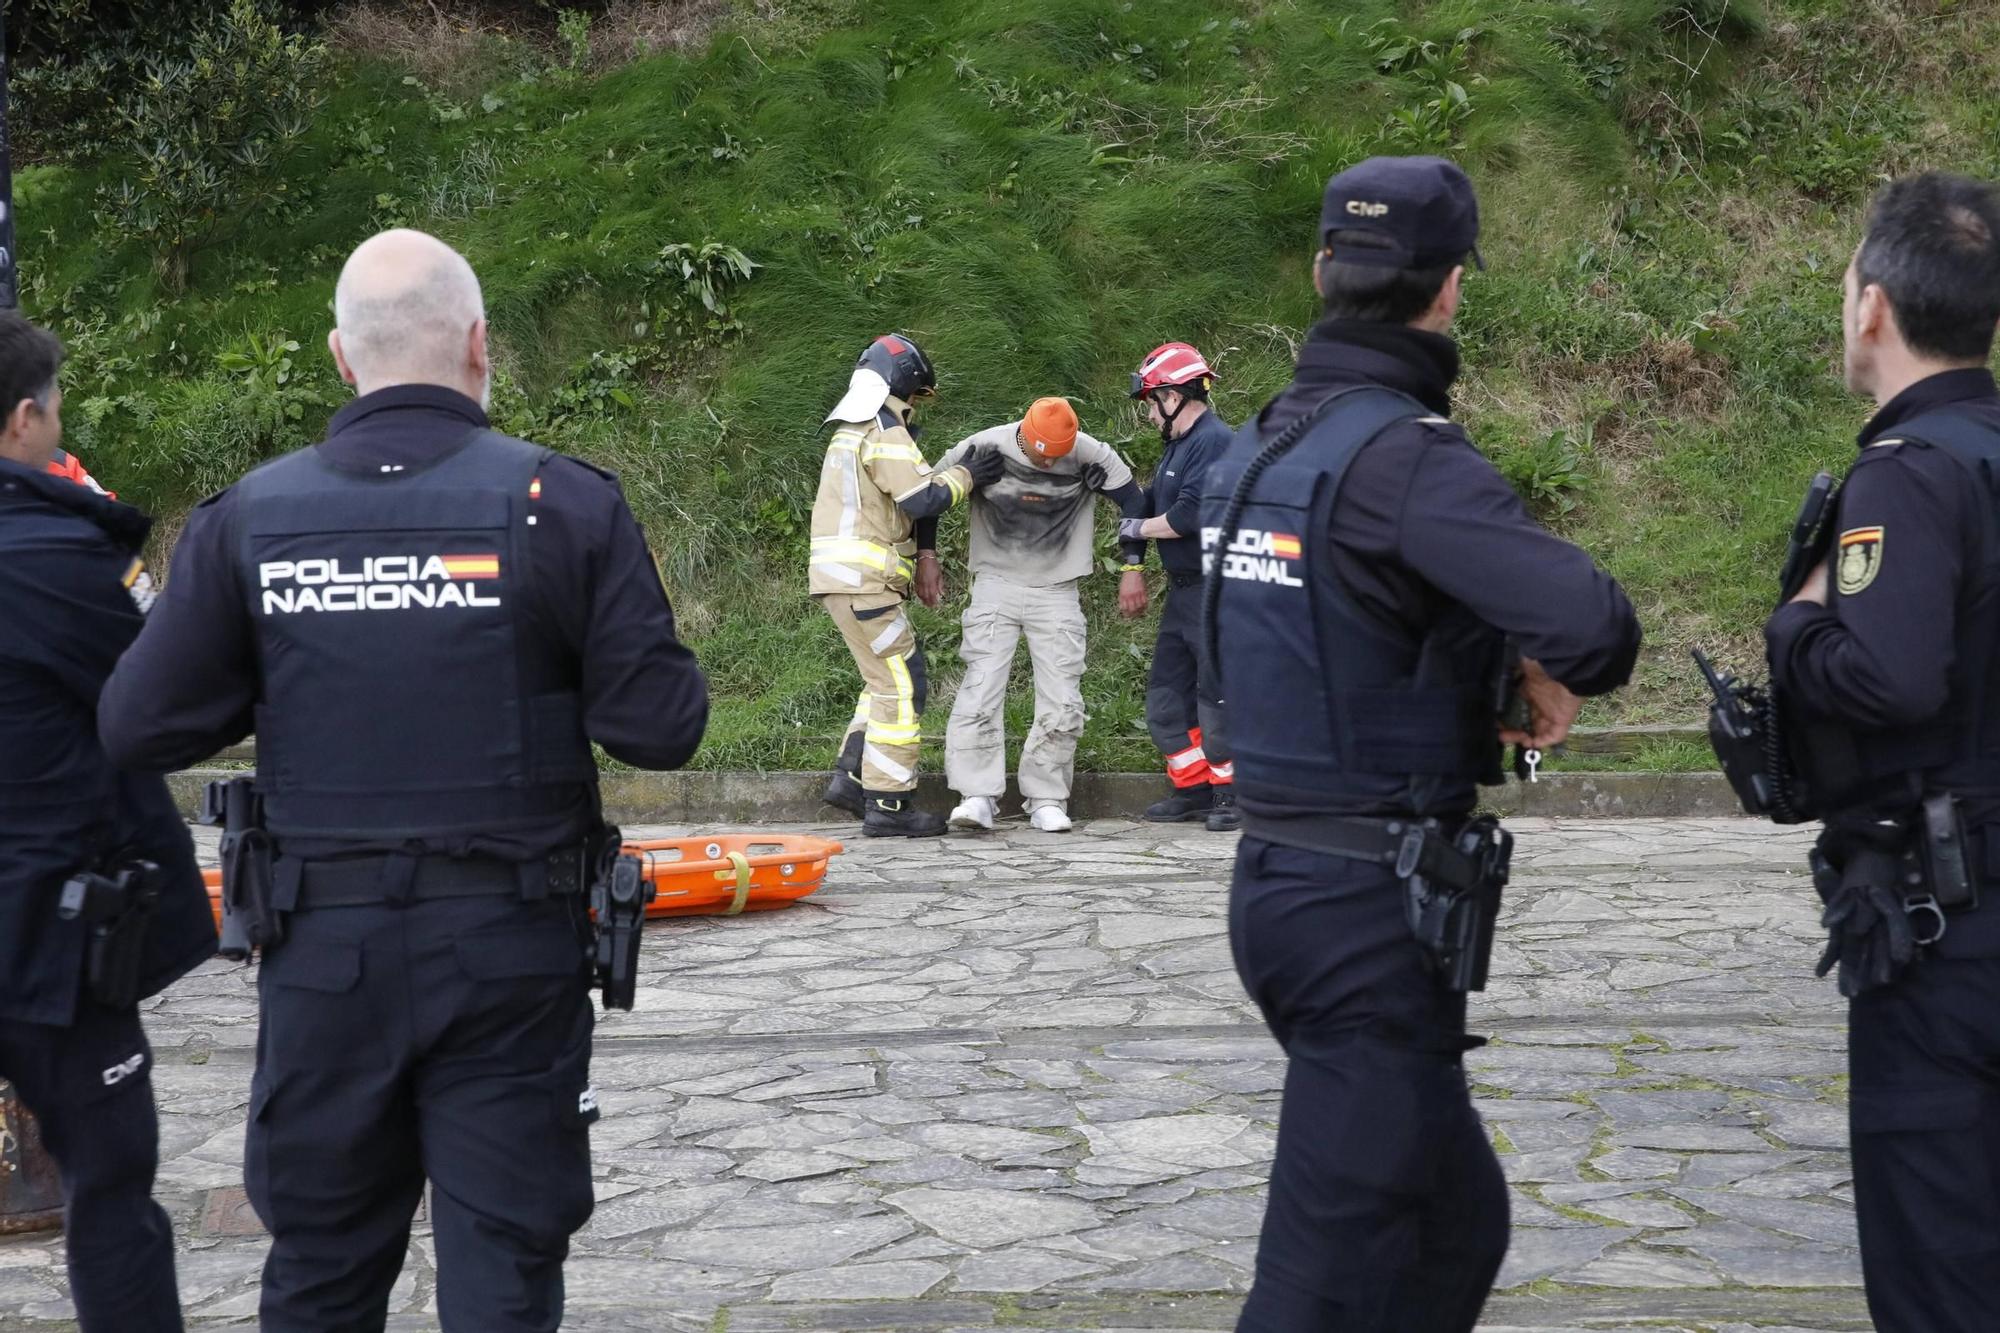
(1183,578)
(1404,845)
(395,880)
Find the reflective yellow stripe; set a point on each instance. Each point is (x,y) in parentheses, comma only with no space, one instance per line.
(908,453)
(846,440)
(906,692)
(957,487)
(866,554)
(887,733)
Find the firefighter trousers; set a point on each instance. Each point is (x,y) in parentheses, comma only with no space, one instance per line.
(884,730)
(1182,712)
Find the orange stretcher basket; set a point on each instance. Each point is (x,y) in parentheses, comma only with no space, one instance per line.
(718,875)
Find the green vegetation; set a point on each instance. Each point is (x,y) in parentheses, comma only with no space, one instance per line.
(684,252)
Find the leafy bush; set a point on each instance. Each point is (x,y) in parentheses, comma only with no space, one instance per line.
(212,129)
(1550,472)
(74,63)
(686,309)
(1436,120)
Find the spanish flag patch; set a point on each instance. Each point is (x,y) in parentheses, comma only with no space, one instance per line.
(1285,545)
(472,566)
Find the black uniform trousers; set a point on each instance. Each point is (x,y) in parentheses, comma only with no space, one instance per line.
(446,1040)
(90,1086)
(1387,1212)
(1182,712)
(1923,1058)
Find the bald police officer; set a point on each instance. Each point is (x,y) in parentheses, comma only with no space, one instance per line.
(1367,564)
(426,623)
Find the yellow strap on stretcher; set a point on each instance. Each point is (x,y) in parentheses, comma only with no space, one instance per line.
(740,871)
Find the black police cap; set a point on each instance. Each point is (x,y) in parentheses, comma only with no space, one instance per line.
(1422,209)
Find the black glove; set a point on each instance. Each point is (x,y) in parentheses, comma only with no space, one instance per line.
(1094,476)
(985,465)
(1868,932)
(1128,529)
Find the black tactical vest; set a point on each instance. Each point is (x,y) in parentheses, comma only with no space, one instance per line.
(389,633)
(1959,749)
(1332,711)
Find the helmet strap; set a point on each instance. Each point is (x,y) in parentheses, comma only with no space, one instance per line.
(1167,418)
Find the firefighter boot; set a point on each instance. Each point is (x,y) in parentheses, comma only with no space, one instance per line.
(1182,805)
(843,790)
(1222,816)
(891,815)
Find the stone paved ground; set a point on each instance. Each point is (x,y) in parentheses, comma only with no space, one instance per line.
(1012,1081)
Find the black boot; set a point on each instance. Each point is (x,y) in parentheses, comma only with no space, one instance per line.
(1184,804)
(843,789)
(1222,816)
(891,815)
(843,792)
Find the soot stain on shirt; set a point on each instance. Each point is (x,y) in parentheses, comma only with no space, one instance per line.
(1030,510)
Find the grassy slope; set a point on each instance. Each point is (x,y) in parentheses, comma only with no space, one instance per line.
(1041,190)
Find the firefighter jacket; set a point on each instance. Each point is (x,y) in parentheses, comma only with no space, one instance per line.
(874,488)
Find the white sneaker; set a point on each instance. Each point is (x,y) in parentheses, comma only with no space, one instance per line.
(975,812)
(1050,818)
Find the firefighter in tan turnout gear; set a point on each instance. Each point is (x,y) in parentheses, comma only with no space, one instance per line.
(874,537)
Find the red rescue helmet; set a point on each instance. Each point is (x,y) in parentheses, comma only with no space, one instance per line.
(1172,366)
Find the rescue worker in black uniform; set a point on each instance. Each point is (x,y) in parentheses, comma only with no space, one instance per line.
(1360,596)
(426,623)
(1183,712)
(73,593)
(1889,680)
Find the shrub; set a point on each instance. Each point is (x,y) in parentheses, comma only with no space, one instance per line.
(212,128)
(74,63)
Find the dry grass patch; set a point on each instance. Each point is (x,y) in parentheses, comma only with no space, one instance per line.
(454,50)
(631,30)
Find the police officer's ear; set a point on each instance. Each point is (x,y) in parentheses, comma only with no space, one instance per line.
(1445,305)
(339,357)
(1874,315)
(476,358)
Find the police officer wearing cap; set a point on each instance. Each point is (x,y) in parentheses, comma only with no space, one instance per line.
(101,903)
(1887,665)
(427,624)
(1368,567)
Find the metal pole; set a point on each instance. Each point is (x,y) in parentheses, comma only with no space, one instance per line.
(10,293)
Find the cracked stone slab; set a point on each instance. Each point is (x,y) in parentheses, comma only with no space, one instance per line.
(903,1280)
(984,1218)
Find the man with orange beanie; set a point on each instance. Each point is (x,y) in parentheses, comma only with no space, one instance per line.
(1031,539)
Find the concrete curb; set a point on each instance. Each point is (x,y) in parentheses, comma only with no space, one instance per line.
(703,797)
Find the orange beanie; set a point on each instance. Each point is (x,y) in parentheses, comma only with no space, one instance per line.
(1049,429)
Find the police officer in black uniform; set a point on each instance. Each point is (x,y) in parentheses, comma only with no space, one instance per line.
(1369,563)
(75,962)
(426,623)
(1887,666)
